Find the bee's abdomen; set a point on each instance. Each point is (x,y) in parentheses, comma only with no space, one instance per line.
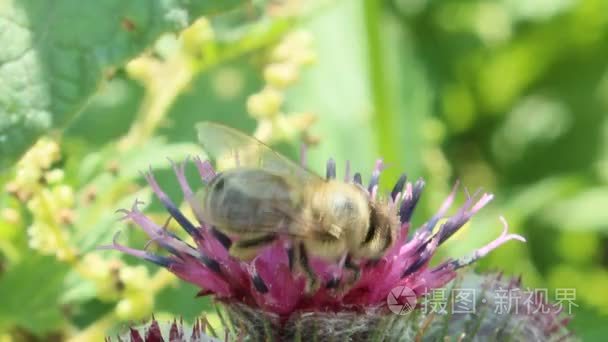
(380,233)
(249,200)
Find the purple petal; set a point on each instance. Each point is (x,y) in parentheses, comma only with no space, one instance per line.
(205,170)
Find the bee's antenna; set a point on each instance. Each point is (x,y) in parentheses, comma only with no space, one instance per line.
(303,155)
(237,160)
(347,172)
(398,186)
(330,172)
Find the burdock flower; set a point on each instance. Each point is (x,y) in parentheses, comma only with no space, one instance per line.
(265,299)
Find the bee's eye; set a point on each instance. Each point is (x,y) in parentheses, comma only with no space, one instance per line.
(220,184)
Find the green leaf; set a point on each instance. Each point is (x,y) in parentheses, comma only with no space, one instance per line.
(55,54)
(181,301)
(400,91)
(342,103)
(376,99)
(583,211)
(109,113)
(30,293)
(97,223)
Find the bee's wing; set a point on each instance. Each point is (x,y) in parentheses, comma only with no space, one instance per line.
(231,148)
(256,201)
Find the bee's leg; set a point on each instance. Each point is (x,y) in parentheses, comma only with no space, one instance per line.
(247,248)
(372,262)
(342,286)
(303,266)
(351,265)
(336,281)
(291,256)
(221,237)
(333,283)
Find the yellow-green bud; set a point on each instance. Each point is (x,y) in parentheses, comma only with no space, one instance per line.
(64,196)
(41,237)
(196,35)
(305,57)
(141,68)
(135,306)
(11,216)
(54,176)
(301,38)
(34,205)
(295,48)
(135,278)
(281,75)
(265,103)
(27,176)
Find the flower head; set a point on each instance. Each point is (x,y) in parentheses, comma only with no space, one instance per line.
(497,317)
(267,282)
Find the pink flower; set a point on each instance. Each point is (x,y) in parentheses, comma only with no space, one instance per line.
(267,283)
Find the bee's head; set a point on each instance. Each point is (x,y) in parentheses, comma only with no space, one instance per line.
(217,182)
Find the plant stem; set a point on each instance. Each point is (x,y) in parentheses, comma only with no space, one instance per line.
(177,72)
(384,112)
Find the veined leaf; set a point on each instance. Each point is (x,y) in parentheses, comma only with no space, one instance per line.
(30,291)
(55,54)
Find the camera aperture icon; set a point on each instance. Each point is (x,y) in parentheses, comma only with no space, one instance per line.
(401,300)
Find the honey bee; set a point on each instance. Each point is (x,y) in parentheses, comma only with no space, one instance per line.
(259,195)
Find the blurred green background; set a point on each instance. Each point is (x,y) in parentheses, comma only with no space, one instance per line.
(509,96)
